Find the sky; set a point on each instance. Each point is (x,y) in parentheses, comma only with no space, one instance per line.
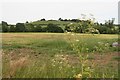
(13,11)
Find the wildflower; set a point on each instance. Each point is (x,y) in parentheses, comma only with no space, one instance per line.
(78,76)
(53,64)
(99,42)
(56,55)
(66,55)
(72,34)
(107,44)
(64,58)
(73,67)
(68,32)
(87,49)
(60,67)
(60,62)
(77,40)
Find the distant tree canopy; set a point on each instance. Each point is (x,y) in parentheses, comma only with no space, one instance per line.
(5,26)
(60,19)
(12,28)
(29,27)
(54,28)
(20,27)
(42,19)
(38,28)
(63,25)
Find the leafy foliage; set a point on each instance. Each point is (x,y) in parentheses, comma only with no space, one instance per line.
(4,27)
(63,25)
(12,28)
(20,27)
(53,28)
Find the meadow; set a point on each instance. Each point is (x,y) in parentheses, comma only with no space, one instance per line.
(59,55)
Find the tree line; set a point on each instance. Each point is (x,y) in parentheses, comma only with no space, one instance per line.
(74,25)
(29,27)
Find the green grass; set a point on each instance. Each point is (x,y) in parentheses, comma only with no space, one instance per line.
(47,22)
(50,55)
(62,24)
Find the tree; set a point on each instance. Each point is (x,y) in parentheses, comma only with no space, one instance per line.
(92,30)
(110,23)
(60,19)
(30,27)
(20,27)
(65,20)
(5,26)
(38,28)
(43,19)
(44,29)
(27,22)
(75,20)
(54,28)
(70,27)
(12,28)
(79,28)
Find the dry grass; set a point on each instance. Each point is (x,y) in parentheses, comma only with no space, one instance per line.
(51,35)
(17,64)
(31,35)
(15,60)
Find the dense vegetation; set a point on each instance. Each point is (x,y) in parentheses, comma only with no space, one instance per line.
(61,26)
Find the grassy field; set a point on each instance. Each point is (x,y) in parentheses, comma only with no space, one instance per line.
(61,55)
(61,24)
(55,22)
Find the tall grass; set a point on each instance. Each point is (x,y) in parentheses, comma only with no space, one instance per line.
(59,56)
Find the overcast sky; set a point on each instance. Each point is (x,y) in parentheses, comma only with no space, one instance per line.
(14,11)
